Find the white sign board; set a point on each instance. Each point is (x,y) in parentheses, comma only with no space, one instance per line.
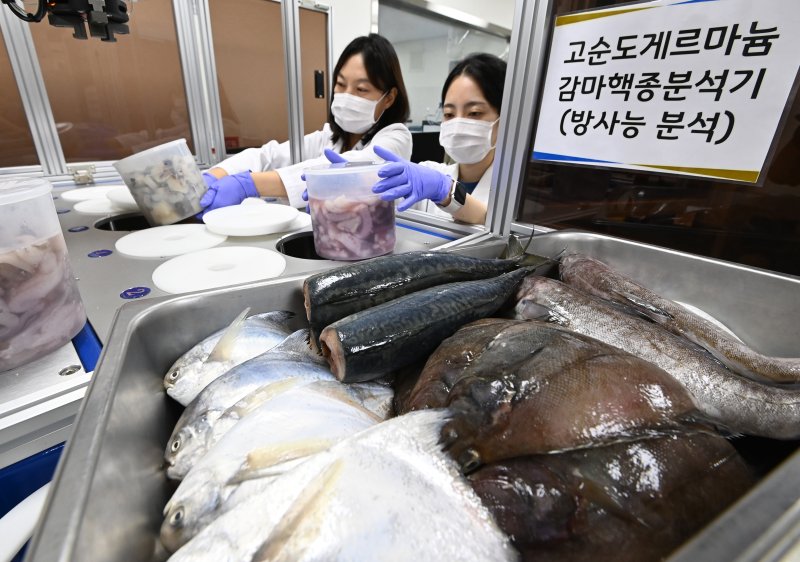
(683,86)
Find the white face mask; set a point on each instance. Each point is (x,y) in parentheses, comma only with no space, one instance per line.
(467,141)
(354,114)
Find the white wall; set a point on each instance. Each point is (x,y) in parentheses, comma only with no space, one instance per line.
(498,12)
(352,18)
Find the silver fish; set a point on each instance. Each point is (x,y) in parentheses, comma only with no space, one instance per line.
(596,278)
(375,397)
(736,402)
(243,339)
(270,435)
(292,358)
(387,493)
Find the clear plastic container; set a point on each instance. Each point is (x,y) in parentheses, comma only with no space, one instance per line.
(165,182)
(40,307)
(349,222)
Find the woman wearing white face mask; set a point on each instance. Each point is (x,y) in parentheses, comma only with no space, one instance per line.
(369,106)
(471,100)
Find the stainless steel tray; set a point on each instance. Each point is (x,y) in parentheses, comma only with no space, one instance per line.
(109,489)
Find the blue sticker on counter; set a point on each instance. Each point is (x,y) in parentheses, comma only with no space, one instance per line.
(135,293)
(62,211)
(78,228)
(99,253)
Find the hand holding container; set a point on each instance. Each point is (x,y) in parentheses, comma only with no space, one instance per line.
(165,182)
(348,220)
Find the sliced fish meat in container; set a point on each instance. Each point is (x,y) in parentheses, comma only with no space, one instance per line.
(110,487)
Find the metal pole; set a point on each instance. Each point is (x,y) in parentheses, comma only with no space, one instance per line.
(294,84)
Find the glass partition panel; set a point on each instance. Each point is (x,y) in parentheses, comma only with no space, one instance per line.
(111,100)
(428,48)
(251,69)
(756,224)
(16,142)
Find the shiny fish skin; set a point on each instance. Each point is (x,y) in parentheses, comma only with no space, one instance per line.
(596,278)
(735,402)
(375,397)
(291,358)
(195,369)
(328,415)
(388,493)
(629,502)
(381,339)
(528,387)
(334,294)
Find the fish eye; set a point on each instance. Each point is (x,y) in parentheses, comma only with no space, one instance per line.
(174,374)
(176,444)
(177,517)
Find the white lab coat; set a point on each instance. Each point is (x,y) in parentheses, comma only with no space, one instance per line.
(481,191)
(277,156)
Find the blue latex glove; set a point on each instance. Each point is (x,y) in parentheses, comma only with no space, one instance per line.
(333,158)
(415,183)
(229,190)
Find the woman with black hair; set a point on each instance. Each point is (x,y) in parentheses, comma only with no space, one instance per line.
(369,106)
(471,100)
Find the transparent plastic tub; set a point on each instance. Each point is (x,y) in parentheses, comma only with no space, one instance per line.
(40,307)
(165,182)
(349,222)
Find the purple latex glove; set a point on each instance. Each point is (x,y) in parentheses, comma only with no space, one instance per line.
(229,190)
(415,183)
(333,158)
(209,179)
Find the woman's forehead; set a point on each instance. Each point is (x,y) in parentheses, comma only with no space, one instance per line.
(464,91)
(353,70)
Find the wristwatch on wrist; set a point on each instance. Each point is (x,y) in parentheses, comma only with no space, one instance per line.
(458,196)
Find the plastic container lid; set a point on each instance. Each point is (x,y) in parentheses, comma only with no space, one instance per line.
(148,152)
(253,217)
(167,241)
(14,190)
(347,178)
(218,267)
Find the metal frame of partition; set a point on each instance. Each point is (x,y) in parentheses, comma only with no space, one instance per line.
(196,51)
(526,63)
(28,74)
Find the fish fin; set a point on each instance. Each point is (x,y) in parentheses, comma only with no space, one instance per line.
(299,342)
(513,249)
(648,309)
(301,521)
(275,315)
(296,341)
(222,351)
(261,395)
(267,461)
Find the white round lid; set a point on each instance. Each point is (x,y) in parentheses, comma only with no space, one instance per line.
(86,193)
(168,241)
(253,217)
(96,207)
(218,267)
(303,220)
(121,197)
